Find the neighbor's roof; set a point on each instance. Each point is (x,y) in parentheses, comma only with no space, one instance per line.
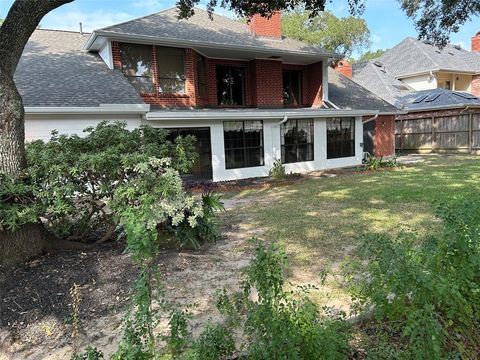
(374,77)
(201,29)
(54,71)
(412,56)
(438,98)
(347,94)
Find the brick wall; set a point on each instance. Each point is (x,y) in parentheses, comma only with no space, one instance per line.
(314,85)
(268,27)
(476,85)
(263,86)
(267,83)
(384,142)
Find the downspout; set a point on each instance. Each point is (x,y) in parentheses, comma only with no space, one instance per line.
(283,121)
(371,119)
(328,102)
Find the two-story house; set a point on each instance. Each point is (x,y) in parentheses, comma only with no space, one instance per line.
(248,94)
(420,65)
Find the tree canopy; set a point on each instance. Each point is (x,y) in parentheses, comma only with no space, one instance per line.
(342,35)
(434,19)
(370,55)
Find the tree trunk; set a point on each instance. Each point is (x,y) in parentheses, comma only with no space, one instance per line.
(22,19)
(25,243)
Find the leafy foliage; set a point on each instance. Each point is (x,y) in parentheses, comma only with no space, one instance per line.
(282,324)
(434,19)
(342,35)
(277,172)
(427,289)
(375,163)
(370,55)
(70,181)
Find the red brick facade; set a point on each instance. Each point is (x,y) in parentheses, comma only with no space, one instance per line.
(267,27)
(476,85)
(344,67)
(476,42)
(263,83)
(384,139)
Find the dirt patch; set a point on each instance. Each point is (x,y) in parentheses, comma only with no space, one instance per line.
(35,303)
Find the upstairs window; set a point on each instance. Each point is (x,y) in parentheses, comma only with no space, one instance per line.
(230,86)
(137,66)
(171,70)
(340,137)
(296,137)
(243,143)
(292,88)
(201,76)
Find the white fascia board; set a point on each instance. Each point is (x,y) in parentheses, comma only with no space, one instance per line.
(146,39)
(248,115)
(102,109)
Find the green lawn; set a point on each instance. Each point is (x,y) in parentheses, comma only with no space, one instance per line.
(320,220)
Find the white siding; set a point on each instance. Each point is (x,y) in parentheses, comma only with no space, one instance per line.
(272,149)
(106,54)
(41,126)
(421,82)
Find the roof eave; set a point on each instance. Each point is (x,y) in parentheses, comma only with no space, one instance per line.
(113,109)
(89,45)
(252,114)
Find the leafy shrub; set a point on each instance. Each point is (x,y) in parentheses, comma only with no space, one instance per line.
(282,324)
(90,353)
(71,181)
(206,229)
(214,343)
(277,172)
(375,163)
(428,288)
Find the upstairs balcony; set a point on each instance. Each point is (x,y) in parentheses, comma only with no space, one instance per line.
(173,77)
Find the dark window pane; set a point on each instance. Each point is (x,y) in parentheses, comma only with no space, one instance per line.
(171,69)
(296,138)
(292,88)
(230,82)
(137,66)
(202,167)
(340,137)
(235,158)
(243,144)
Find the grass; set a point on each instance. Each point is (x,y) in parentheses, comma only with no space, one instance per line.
(321,219)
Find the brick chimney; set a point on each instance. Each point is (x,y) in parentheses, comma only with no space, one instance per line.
(266,27)
(344,67)
(476,42)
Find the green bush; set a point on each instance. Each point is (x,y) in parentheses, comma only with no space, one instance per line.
(70,181)
(277,172)
(375,163)
(428,289)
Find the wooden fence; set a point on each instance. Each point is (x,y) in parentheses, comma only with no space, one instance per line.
(460,132)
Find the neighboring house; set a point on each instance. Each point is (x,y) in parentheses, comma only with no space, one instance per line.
(249,95)
(435,90)
(423,66)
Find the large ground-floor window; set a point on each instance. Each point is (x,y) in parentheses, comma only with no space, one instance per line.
(202,167)
(340,137)
(296,138)
(243,144)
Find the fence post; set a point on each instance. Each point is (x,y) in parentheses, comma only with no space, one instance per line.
(470,133)
(433,133)
(401,135)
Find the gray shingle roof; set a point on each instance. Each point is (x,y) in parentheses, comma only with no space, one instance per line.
(413,56)
(378,80)
(221,30)
(55,71)
(438,97)
(347,94)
